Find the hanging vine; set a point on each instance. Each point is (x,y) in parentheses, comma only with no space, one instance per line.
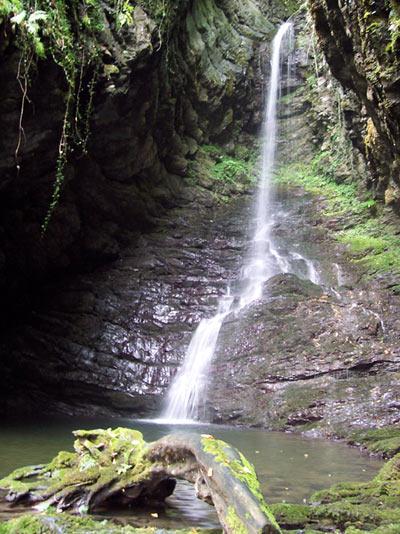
(66,32)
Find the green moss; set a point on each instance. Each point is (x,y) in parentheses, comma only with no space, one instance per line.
(385,441)
(390,472)
(291,515)
(70,524)
(387,529)
(350,507)
(234,522)
(240,468)
(373,243)
(112,459)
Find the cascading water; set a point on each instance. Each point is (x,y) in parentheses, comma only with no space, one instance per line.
(263,262)
(185,394)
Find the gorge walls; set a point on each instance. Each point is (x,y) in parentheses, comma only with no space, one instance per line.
(166,79)
(140,245)
(360,41)
(169,77)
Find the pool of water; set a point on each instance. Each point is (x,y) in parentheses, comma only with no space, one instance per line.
(289,467)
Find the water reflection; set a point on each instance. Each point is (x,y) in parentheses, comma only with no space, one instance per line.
(289,467)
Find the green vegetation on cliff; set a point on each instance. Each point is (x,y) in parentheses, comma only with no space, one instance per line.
(359,221)
(74,35)
(222,173)
(65,32)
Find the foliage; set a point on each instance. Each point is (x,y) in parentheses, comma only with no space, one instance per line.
(394,30)
(341,198)
(230,169)
(65,32)
(222,174)
(124,12)
(68,32)
(373,243)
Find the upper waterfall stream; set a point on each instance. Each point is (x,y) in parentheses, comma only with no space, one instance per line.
(264,259)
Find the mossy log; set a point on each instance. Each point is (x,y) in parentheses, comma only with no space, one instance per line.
(117,467)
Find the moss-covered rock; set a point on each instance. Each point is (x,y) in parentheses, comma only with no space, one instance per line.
(350,507)
(224,176)
(361,44)
(52,523)
(384,441)
(241,469)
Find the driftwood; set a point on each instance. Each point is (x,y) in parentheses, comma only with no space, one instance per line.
(117,467)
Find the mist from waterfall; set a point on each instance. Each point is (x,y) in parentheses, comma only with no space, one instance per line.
(264,260)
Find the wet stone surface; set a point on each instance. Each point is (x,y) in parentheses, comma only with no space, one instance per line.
(111,340)
(304,356)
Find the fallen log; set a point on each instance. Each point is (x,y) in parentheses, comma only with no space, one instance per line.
(117,467)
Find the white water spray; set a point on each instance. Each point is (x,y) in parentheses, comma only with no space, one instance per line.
(264,261)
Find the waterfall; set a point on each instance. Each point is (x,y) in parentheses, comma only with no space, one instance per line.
(188,387)
(264,257)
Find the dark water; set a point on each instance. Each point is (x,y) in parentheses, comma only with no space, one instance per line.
(289,467)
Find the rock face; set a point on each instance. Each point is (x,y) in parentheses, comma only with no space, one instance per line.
(361,45)
(302,358)
(110,341)
(164,86)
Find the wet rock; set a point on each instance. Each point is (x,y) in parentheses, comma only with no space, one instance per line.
(159,83)
(361,47)
(302,358)
(110,341)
